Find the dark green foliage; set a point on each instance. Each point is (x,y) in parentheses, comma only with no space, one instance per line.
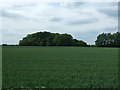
(59,67)
(108,40)
(4,44)
(79,43)
(63,40)
(50,39)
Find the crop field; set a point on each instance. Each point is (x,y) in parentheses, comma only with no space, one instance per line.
(59,67)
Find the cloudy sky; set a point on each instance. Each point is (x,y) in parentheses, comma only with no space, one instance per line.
(83,20)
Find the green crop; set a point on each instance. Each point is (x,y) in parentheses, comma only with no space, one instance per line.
(59,67)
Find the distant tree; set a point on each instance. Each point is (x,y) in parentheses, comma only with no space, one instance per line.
(79,43)
(108,40)
(82,43)
(117,39)
(63,40)
(4,44)
(50,39)
(92,45)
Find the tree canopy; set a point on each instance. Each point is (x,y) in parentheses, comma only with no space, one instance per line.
(108,40)
(50,39)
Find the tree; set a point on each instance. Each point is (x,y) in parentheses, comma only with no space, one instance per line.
(50,39)
(4,44)
(108,40)
(79,43)
(63,40)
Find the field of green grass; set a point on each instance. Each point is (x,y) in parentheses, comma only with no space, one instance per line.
(0,67)
(59,67)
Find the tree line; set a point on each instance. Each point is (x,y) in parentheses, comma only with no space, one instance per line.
(56,39)
(108,40)
(50,39)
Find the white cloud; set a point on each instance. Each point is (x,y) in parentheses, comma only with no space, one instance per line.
(21,18)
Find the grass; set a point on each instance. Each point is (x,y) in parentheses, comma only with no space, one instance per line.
(0,67)
(59,67)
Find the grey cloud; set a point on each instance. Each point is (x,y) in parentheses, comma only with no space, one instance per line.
(7,14)
(19,6)
(108,12)
(111,29)
(114,3)
(110,9)
(85,21)
(77,4)
(55,4)
(74,5)
(56,19)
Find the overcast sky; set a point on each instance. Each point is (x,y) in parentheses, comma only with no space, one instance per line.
(83,20)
